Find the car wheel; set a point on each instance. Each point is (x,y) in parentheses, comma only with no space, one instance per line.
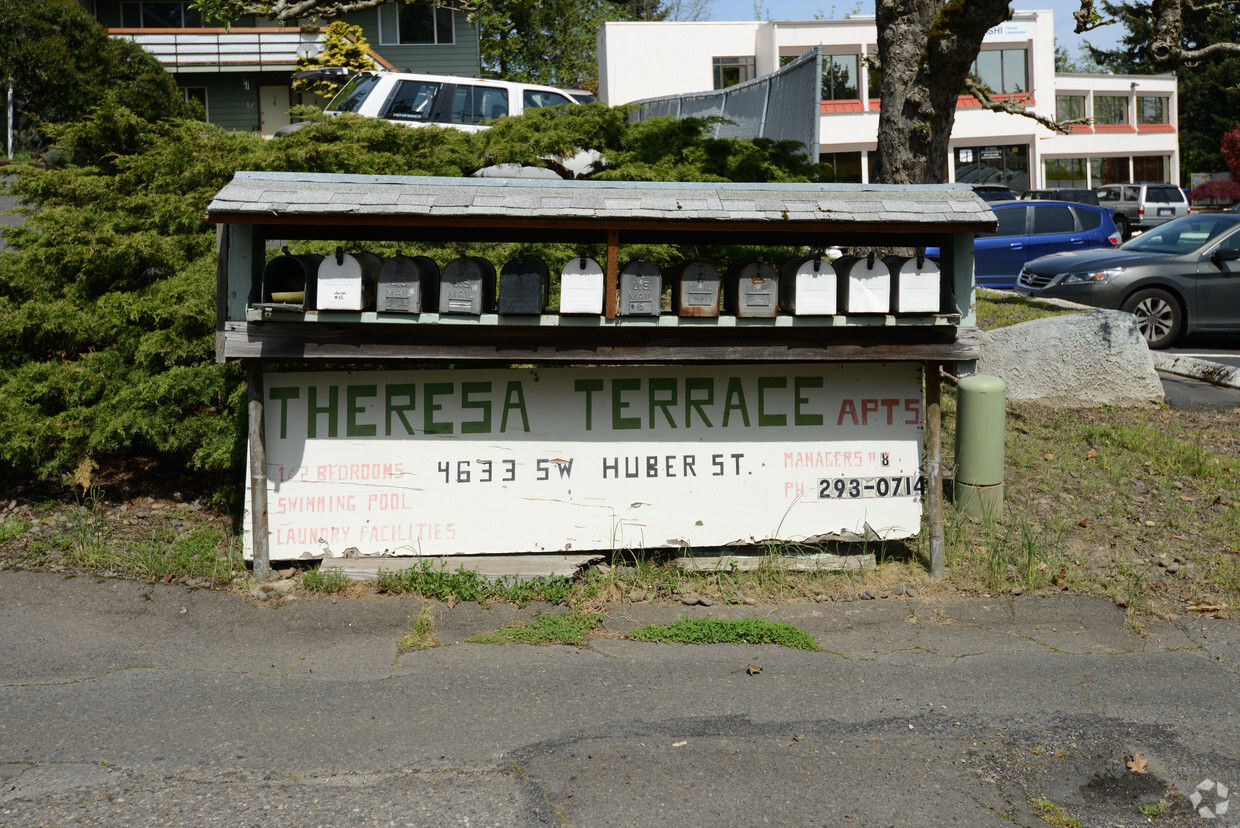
(1159,317)
(1121,224)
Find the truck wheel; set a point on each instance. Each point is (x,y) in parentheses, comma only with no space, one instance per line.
(1121,224)
(1159,316)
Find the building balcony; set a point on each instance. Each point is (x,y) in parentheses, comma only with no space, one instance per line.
(226,50)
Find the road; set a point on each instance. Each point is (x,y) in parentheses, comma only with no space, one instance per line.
(1221,348)
(132,703)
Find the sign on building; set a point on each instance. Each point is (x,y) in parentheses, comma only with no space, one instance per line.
(462,461)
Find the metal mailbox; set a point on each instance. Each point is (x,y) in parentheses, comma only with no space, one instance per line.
(289,280)
(581,286)
(467,285)
(408,284)
(864,285)
(696,290)
(641,289)
(346,281)
(524,284)
(808,286)
(916,284)
(752,289)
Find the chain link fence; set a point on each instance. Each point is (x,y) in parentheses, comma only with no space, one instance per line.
(782,106)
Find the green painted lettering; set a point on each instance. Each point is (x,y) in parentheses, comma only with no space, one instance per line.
(352,428)
(482,426)
(764,384)
(284,395)
(430,391)
(799,384)
(618,404)
(696,403)
(589,386)
(665,386)
(734,400)
(313,410)
(399,391)
(514,400)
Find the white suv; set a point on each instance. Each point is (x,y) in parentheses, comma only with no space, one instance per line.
(467,104)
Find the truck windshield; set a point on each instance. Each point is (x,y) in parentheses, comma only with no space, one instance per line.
(355,91)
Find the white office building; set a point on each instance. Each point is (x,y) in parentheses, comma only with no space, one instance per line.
(1132,135)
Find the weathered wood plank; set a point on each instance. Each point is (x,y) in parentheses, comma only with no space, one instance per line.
(280,341)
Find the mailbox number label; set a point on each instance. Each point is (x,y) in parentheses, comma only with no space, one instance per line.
(847,488)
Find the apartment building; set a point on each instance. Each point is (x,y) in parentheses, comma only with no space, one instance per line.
(1132,135)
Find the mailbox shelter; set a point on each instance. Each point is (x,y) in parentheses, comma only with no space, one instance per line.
(657,430)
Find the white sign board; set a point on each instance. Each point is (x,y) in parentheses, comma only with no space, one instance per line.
(450,462)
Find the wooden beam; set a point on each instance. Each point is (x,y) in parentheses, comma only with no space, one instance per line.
(934,470)
(611,284)
(258,471)
(612,344)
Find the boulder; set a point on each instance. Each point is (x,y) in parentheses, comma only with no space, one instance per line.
(1083,359)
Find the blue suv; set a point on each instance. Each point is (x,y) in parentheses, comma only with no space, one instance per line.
(1029,229)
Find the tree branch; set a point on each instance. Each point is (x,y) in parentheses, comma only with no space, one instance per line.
(1014,106)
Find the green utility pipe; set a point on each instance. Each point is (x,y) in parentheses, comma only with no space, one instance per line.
(980,422)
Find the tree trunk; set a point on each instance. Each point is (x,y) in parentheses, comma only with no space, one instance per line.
(927,48)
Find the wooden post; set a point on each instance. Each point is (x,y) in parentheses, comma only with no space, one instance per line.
(258,471)
(934,470)
(611,279)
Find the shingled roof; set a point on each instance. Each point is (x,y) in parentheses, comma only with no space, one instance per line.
(317,200)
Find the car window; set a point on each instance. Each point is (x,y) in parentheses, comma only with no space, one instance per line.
(478,104)
(1052,218)
(1109,194)
(1165,194)
(1011,221)
(412,101)
(538,98)
(1182,235)
(1089,219)
(1130,193)
(349,99)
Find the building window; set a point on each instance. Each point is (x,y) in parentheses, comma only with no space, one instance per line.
(1109,170)
(1066,172)
(416,24)
(730,71)
(1110,109)
(874,80)
(1149,168)
(839,78)
(160,14)
(840,167)
(994,165)
(1069,107)
(1151,110)
(1002,70)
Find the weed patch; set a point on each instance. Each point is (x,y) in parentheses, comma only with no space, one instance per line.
(551,628)
(421,635)
(325,581)
(1053,814)
(721,631)
(435,581)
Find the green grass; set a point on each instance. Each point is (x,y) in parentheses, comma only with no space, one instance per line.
(997,310)
(720,631)
(551,628)
(13,527)
(1053,814)
(434,580)
(421,635)
(325,581)
(204,554)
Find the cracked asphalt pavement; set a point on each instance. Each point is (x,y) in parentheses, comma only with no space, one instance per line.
(136,703)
